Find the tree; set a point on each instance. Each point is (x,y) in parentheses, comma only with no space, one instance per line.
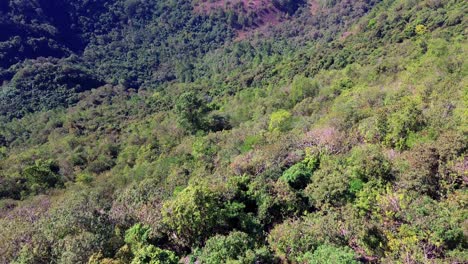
(367,162)
(289,6)
(221,249)
(300,173)
(42,176)
(328,254)
(150,254)
(192,215)
(280,121)
(423,174)
(131,7)
(408,119)
(3,141)
(303,87)
(291,239)
(145,253)
(329,184)
(190,110)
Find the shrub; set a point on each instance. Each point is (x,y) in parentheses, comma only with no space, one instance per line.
(300,173)
(203,148)
(84,178)
(420,29)
(150,254)
(42,176)
(274,200)
(144,253)
(423,173)
(367,162)
(451,144)
(303,87)
(221,249)
(192,215)
(280,121)
(402,123)
(329,185)
(327,254)
(190,110)
(341,85)
(140,202)
(290,240)
(101,164)
(137,235)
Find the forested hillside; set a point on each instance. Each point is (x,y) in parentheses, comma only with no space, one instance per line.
(244,131)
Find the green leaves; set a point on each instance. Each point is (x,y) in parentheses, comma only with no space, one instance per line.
(327,254)
(137,235)
(221,249)
(42,176)
(143,252)
(408,118)
(45,84)
(190,109)
(192,215)
(303,87)
(280,121)
(150,254)
(298,175)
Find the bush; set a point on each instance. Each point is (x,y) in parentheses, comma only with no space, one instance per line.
(367,162)
(402,123)
(290,240)
(137,235)
(190,110)
(150,254)
(423,173)
(303,87)
(280,121)
(144,253)
(327,254)
(298,175)
(42,176)
(329,185)
(140,202)
(192,215)
(221,249)
(45,84)
(84,178)
(420,29)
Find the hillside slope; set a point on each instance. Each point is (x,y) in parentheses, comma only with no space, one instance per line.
(335,134)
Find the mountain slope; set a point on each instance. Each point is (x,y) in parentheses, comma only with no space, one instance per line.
(336,135)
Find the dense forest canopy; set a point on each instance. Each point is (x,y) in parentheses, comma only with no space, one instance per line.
(243,131)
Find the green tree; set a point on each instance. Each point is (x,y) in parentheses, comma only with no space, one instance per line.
(149,254)
(329,185)
(406,120)
(42,176)
(298,175)
(291,239)
(144,253)
(327,254)
(192,215)
(280,121)
(190,110)
(367,162)
(303,87)
(221,249)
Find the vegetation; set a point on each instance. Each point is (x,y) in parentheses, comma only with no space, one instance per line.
(168,132)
